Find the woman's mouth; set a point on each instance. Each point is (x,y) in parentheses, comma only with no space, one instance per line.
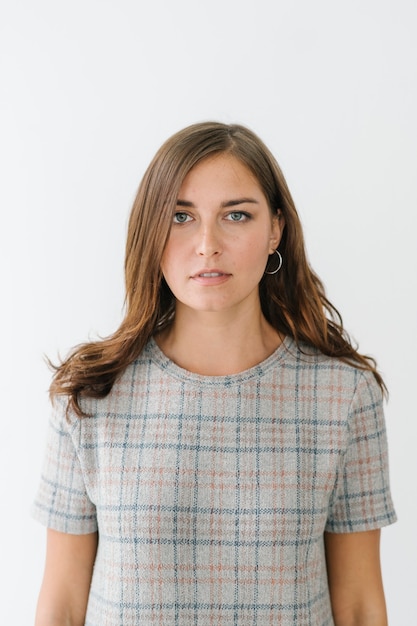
(211,277)
(210,274)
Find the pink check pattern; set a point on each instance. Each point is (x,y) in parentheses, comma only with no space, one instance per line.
(211,494)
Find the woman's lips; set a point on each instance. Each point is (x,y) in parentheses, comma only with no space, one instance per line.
(210,274)
(210,277)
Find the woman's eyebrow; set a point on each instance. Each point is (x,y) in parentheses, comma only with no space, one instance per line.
(238,201)
(224,205)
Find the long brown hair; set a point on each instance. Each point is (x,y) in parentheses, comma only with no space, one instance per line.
(293,300)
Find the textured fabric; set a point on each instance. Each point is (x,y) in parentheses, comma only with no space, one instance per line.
(211,494)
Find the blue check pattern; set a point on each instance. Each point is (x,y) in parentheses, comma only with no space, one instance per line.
(211,494)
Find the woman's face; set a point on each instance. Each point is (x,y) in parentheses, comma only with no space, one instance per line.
(222,233)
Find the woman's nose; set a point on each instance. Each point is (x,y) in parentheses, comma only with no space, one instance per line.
(208,242)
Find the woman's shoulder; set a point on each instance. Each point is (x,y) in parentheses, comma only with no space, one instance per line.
(308,361)
(130,379)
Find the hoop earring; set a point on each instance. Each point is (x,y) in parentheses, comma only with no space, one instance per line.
(279,263)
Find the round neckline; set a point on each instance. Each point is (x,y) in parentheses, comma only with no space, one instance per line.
(155,353)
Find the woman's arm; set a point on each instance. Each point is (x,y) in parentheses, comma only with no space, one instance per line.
(355,582)
(67,577)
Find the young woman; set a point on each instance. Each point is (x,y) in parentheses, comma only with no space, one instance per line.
(221,459)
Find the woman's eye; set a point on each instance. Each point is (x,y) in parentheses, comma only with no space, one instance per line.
(238,216)
(181,218)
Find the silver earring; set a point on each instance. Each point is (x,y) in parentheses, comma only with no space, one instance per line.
(279,263)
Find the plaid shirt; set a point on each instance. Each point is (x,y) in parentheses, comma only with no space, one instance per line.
(211,494)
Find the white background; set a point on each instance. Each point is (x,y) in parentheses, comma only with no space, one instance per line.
(91,88)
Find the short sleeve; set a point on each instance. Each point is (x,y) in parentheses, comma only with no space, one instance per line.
(62,502)
(361,498)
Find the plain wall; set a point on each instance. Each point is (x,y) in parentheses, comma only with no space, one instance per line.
(90,89)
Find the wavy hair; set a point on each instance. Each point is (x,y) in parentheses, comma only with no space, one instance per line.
(293,300)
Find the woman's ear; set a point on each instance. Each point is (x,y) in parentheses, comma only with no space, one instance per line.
(278,225)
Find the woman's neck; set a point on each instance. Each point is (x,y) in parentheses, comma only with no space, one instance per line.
(217,345)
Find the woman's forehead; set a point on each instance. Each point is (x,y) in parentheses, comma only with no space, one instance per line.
(220,171)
